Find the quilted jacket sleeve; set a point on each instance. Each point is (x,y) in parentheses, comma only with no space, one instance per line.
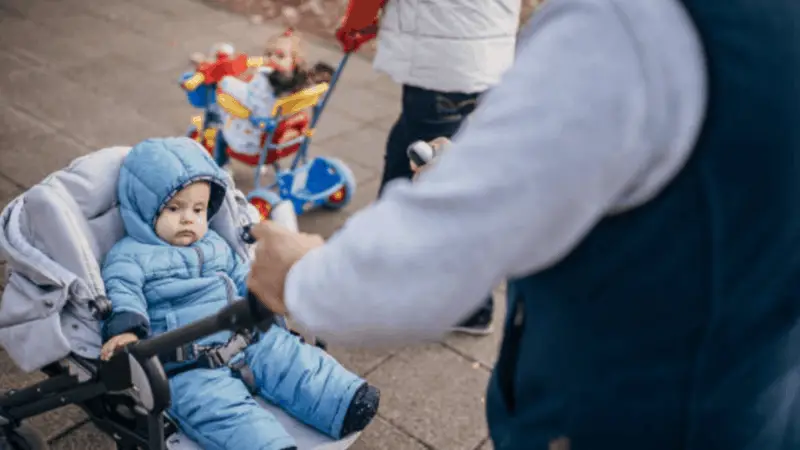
(124,281)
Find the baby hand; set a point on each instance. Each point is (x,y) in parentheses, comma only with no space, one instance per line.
(115,343)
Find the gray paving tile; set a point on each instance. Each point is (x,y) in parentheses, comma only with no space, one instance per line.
(37,149)
(38,9)
(322,222)
(434,394)
(488,445)
(386,86)
(95,120)
(365,146)
(364,104)
(483,349)
(12,64)
(85,437)
(49,48)
(8,190)
(248,37)
(49,424)
(333,123)
(384,123)
(361,360)
(381,435)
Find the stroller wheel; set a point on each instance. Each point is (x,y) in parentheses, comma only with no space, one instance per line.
(24,437)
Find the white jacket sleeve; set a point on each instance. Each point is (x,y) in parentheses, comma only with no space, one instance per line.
(548,152)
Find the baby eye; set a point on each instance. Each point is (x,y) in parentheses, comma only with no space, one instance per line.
(199,210)
(172,208)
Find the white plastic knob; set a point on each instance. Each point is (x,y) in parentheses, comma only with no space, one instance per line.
(423,150)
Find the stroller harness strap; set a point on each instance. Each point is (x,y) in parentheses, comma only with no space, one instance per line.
(195,356)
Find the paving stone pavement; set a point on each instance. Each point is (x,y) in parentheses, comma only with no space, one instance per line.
(78,75)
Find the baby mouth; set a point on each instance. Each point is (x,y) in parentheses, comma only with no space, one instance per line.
(185,234)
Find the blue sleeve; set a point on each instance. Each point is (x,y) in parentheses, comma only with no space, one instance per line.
(238,273)
(124,281)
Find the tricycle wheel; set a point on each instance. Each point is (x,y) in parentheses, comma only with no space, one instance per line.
(344,194)
(24,437)
(264,201)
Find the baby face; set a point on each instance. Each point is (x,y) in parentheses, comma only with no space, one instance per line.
(282,53)
(184,220)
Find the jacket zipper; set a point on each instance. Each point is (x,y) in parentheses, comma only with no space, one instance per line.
(200,259)
(230,289)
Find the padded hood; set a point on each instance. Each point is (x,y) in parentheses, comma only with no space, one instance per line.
(153,172)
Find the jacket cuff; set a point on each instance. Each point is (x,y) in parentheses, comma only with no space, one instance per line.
(126,322)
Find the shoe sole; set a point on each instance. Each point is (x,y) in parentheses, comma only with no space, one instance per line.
(474,331)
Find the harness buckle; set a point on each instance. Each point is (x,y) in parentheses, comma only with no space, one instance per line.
(219,356)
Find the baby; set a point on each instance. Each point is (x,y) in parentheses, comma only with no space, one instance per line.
(170,269)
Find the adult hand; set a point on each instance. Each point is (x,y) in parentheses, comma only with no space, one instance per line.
(359,24)
(351,40)
(277,250)
(439,145)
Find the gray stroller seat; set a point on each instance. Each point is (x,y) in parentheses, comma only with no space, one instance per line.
(53,238)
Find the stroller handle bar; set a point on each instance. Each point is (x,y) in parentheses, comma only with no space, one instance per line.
(242,314)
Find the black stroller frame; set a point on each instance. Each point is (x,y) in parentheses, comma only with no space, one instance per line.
(92,385)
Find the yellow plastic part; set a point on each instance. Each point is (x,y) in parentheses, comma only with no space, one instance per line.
(194,81)
(256,61)
(293,104)
(232,106)
(309,132)
(197,121)
(210,136)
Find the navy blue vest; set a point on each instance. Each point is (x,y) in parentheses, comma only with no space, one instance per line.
(676,325)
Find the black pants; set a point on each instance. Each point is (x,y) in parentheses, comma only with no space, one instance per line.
(425,115)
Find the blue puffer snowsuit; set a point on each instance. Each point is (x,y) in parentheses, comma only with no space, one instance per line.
(155,287)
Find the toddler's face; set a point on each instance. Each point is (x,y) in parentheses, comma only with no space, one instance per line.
(281,54)
(184,220)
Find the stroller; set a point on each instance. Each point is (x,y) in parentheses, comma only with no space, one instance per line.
(53,237)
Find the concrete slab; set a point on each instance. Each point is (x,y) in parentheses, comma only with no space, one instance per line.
(12,64)
(365,146)
(49,424)
(364,104)
(26,37)
(8,190)
(332,124)
(85,437)
(435,395)
(25,9)
(483,349)
(72,108)
(361,360)
(36,150)
(381,435)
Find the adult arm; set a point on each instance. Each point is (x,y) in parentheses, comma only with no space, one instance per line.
(568,134)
